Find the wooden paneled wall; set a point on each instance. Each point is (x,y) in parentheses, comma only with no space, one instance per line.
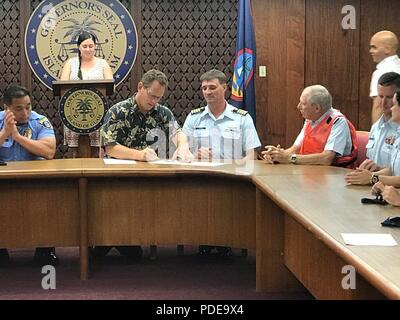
(280,36)
(302,43)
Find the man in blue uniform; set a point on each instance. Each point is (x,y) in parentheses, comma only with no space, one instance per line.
(383,134)
(25,135)
(220,131)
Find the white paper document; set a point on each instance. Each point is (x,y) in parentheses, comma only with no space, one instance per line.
(118,161)
(369,239)
(196,163)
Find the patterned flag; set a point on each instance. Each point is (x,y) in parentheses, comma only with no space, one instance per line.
(243,78)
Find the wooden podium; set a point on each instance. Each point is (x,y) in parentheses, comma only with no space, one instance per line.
(106,87)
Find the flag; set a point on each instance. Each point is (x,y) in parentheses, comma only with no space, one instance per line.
(243,95)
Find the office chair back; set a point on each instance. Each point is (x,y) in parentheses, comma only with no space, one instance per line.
(362,137)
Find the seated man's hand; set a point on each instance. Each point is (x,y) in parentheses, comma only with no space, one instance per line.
(369,165)
(10,124)
(278,154)
(377,188)
(267,158)
(149,154)
(391,195)
(183,153)
(203,154)
(274,154)
(268,149)
(266,154)
(358,176)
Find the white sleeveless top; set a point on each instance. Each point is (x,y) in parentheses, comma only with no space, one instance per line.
(95,73)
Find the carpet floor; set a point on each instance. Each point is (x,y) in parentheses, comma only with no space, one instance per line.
(169,277)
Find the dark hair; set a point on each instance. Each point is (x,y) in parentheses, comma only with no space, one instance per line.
(15,92)
(154,75)
(84,35)
(214,74)
(390,79)
(398,97)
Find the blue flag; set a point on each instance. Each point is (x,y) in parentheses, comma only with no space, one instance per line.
(243,95)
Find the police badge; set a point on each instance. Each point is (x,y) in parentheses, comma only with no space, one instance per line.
(28,133)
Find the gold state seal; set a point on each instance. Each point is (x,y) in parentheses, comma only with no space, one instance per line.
(83,110)
(52,31)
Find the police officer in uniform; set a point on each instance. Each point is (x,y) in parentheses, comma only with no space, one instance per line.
(219,131)
(25,135)
(383,134)
(389,176)
(386,181)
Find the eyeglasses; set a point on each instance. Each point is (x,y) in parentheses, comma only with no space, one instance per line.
(152,97)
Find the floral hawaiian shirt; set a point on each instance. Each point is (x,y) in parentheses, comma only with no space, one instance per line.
(125,125)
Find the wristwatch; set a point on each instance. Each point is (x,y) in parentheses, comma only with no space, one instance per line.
(293,158)
(374,179)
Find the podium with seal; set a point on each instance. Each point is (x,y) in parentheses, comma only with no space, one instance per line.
(82,107)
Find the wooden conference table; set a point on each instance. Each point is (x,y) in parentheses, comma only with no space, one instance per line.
(292,216)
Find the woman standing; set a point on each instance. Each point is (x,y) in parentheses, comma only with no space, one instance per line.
(85,67)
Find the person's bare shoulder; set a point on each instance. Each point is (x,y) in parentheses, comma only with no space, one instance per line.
(68,62)
(66,70)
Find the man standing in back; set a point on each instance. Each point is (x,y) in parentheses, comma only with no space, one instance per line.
(383,49)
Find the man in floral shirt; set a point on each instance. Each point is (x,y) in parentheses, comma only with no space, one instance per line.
(139,128)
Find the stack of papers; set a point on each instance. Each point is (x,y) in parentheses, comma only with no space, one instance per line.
(170,162)
(368,239)
(118,161)
(196,164)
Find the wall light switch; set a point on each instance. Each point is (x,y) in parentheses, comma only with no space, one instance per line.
(263,71)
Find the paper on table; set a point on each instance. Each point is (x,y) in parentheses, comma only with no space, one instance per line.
(198,163)
(118,161)
(369,239)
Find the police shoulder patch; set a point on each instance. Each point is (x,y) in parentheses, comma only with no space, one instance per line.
(240,112)
(44,122)
(198,110)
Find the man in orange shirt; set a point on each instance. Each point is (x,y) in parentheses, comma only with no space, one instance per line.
(326,138)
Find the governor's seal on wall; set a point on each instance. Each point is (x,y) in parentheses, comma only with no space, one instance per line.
(53,28)
(83,110)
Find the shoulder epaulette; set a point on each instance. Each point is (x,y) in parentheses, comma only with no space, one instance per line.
(337,119)
(198,110)
(240,111)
